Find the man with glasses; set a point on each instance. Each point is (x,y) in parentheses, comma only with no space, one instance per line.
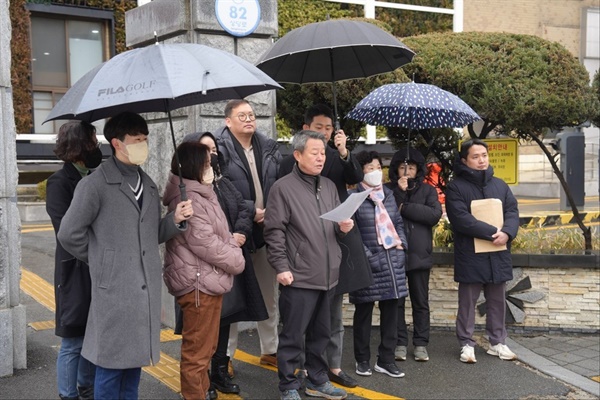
(252,165)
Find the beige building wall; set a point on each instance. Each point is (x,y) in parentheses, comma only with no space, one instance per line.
(555,20)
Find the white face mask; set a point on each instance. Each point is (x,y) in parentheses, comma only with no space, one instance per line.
(137,153)
(208,176)
(373,178)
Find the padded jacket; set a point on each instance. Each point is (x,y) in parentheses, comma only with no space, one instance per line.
(388,266)
(469,185)
(420,209)
(206,256)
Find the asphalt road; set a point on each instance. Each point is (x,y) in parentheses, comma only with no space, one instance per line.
(443,377)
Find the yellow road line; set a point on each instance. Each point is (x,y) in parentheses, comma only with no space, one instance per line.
(27,230)
(43,325)
(38,288)
(358,391)
(595,378)
(167,370)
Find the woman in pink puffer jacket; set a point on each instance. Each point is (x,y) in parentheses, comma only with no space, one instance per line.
(199,265)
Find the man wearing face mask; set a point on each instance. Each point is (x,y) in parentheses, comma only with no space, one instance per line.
(114,225)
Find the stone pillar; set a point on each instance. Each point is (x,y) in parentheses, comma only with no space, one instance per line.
(195,21)
(12,314)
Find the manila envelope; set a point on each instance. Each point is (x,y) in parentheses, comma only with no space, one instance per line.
(489,211)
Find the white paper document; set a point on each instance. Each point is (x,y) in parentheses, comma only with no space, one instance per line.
(347,208)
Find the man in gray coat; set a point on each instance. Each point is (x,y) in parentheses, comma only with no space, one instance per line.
(303,250)
(114,224)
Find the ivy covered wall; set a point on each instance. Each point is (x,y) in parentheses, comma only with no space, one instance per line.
(21,48)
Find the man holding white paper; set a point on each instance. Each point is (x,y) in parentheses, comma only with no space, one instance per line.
(480,268)
(303,250)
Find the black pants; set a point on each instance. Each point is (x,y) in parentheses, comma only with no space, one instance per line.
(304,312)
(363,317)
(418,289)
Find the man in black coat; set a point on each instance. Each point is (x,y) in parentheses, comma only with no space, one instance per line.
(474,180)
(421,210)
(343,169)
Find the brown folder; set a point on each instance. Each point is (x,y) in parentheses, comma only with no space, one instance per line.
(489,211)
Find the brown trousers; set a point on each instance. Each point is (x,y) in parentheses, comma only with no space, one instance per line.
(200,335)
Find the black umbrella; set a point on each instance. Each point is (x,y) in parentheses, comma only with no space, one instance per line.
(332,51)
(161,77)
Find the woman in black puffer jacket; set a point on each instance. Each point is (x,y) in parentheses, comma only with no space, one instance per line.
(421,210)
(382,232)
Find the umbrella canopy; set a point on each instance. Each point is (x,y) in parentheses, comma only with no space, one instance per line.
(161,77)
(413,106)
(332,51)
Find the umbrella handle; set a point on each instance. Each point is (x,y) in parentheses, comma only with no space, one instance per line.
(183,191)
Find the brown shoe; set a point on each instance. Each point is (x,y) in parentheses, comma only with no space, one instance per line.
(269,359)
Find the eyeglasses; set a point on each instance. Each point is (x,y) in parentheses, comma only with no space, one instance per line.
(244,117)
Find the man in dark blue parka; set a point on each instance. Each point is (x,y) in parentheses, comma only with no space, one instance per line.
(473,180)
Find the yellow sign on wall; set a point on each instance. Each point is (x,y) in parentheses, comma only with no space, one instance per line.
(504,157)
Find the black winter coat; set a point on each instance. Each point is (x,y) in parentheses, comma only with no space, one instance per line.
(387,266)
(420,209)
(72,282)
(468,185)
(355,272)
(244,302)
(236,169)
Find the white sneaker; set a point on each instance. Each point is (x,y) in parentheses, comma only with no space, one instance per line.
(467,354)
(502,351)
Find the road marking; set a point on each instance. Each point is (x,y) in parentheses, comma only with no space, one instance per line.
(595,378)
(359,391)
(36,230)
(38,288)
(167,369)
(42,325)
(30,228)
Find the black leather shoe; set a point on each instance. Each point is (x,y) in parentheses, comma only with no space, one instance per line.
(342,379)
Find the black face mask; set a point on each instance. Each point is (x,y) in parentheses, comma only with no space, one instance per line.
(214,163)
(92,159)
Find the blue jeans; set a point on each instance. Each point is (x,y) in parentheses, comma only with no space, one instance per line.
(117,383)
(72,369)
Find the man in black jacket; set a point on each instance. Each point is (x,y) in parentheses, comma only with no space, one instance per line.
(474,180)
(251,162)
(343,169)
(421,210)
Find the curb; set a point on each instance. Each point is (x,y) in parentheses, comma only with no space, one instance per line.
(552,369)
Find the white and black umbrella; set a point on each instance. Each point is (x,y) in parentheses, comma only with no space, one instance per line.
(332,51)
(160,78)
(413,106)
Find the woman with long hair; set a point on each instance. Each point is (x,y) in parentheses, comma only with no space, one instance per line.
(77,146)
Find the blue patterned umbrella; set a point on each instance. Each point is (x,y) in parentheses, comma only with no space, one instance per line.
(413,106)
